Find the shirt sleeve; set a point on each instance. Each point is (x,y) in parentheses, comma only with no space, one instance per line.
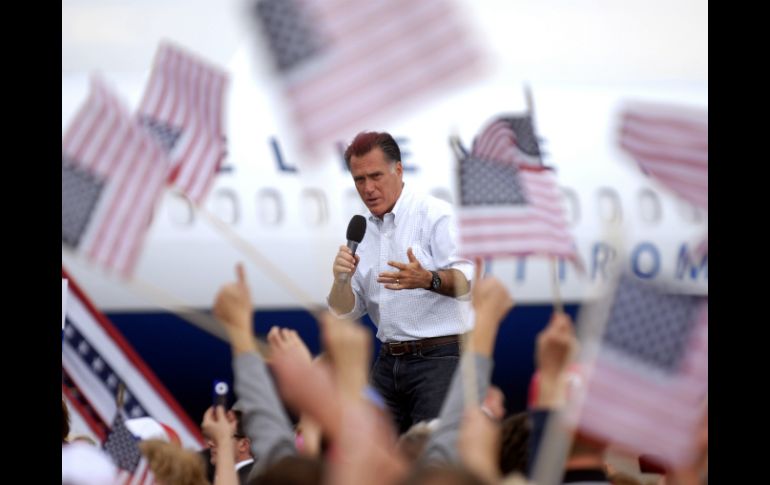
(264,419)
(445,246)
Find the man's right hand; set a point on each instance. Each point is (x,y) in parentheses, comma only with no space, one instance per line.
(345,262)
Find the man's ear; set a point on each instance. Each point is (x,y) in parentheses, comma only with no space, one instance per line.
(244,445)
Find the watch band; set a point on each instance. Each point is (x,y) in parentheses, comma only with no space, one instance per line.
(435,282)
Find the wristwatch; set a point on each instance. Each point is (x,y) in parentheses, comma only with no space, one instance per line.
(435,283)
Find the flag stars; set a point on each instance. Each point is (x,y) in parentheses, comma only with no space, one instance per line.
(83,347)
(112,381)
(649,324)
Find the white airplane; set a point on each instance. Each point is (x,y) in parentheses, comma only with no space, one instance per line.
(293,209)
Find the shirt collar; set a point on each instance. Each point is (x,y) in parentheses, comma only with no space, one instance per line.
(243,463)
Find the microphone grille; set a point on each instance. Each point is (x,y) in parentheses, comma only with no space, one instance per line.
(356,228)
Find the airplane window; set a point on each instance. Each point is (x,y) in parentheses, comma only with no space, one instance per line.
(572,205)
(320,215)
(442,193)
(650,209)
(270,207)
(610,209)
(180,211)
(224,204)
(690,213)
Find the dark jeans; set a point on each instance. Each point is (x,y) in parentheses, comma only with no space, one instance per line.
(414,385)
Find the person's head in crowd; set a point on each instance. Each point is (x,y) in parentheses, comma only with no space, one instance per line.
(292,470)
(242,444)
(514,451)
(171,464)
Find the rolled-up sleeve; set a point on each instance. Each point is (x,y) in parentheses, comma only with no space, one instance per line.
(446,247)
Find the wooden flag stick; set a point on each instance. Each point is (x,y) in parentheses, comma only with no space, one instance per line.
(170,303)
(557,303)
(121,395)
(275,273)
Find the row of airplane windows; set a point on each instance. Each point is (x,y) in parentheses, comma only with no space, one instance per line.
(226,204)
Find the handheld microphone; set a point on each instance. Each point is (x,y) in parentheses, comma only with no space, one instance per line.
(356,231)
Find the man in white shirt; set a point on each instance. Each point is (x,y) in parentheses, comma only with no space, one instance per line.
(408,277)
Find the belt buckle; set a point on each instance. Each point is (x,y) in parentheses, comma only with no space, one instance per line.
(393,344)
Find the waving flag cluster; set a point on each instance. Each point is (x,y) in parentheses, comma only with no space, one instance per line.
(113,175)
(115,165)
(510,204)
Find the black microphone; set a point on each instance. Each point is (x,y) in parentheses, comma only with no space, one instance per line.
(356,231)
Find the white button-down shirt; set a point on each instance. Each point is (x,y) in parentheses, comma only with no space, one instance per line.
(428,226)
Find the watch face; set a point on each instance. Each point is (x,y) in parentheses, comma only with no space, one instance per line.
(436,284)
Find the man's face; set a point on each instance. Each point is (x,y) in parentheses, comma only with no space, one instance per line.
(238,444)
(377,180)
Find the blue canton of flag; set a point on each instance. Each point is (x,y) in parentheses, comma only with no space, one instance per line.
(649,325)
(526,139)
(166,134)
(80,191)
(289,32)
(122,446)
(484,182)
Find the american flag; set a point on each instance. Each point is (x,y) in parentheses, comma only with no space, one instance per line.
(671,145)
(124,451)
(343,62)
(650,376)
(112,179)
(183,107)
(510,204)
(96,358)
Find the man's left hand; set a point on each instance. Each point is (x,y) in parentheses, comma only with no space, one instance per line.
(410,275)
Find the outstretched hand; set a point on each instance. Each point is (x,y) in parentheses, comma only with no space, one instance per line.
(409,275)
(233,308)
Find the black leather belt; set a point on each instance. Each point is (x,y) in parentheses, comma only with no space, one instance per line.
(414,346)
